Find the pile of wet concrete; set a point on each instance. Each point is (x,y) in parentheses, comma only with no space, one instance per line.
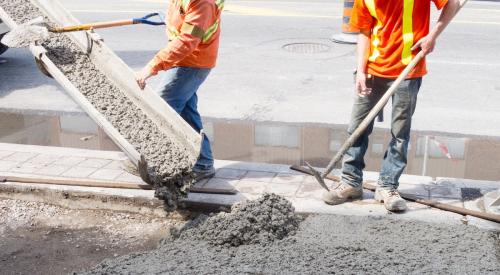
(169,163)
(261,221)
(322,244)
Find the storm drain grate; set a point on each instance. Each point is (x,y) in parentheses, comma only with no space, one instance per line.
(306,48)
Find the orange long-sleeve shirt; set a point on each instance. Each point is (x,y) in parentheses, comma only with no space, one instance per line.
(185,47)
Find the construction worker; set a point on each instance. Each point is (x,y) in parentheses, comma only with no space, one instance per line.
(193,30)
(391,33)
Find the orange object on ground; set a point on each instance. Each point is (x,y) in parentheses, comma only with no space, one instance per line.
(396,25)
(193,30)
(346,16)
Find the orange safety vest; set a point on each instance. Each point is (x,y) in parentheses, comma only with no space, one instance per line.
(395,26)
(193,30)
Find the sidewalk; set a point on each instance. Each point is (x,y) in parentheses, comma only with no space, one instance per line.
(249,179)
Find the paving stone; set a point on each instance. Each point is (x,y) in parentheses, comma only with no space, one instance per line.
(288,178)
(4,153)
(106,174)
(310,191)
(449,182)
(251,187)
(115,164)
(469,194)
(227,173)
(476,205)
(6,165)
(482,184)
(415,179)
(445,192)
(201,183)
(79,172)
(219,183)
(94,163)
(492,202)
(415,190)
(310,180)
(259,176)
(284,189)
(44,159)
(69,161)
(53,170)
(27,168)
(20,156)
(127,177)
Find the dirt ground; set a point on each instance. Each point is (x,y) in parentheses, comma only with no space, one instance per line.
(38,238)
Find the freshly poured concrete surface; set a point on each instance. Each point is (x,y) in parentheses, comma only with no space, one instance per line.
(329,244)
(256,79)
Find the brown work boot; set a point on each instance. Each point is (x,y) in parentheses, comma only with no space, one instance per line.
(391,198)
(342,193)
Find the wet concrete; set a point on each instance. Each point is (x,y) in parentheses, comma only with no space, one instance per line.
(261,221)
(169,164)
(329,244)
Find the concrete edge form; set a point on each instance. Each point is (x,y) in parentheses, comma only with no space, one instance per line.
(75,197)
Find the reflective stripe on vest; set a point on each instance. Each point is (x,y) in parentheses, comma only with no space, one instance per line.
(406,56)
(407,31)
(194,30)
(370,4)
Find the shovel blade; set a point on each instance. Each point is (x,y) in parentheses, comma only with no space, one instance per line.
(26,34)
(318,176)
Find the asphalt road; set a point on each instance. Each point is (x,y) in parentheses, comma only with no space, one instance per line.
(257,79)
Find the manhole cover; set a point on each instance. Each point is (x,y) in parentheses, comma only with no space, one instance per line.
(306,48)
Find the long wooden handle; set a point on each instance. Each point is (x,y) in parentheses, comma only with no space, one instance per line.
(443,206)
(98,25)
(431,203)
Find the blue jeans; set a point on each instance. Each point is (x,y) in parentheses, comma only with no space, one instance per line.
(178,88)
(404,102)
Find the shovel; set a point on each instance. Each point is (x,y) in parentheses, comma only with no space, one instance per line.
(37,30)
(368,119)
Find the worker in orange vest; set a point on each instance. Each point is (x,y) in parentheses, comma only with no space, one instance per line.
(391,33)
(193,31)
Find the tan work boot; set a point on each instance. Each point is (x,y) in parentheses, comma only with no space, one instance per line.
(342,193)
(391,198)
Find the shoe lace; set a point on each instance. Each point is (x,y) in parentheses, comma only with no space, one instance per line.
(393,193)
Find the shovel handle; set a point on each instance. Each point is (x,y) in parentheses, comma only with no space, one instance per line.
(99,25)
(109,24)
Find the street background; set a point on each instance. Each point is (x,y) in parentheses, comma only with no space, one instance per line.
(258,79)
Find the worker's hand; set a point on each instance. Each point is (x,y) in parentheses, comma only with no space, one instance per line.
(426,44)
(361,88)
(142,76)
